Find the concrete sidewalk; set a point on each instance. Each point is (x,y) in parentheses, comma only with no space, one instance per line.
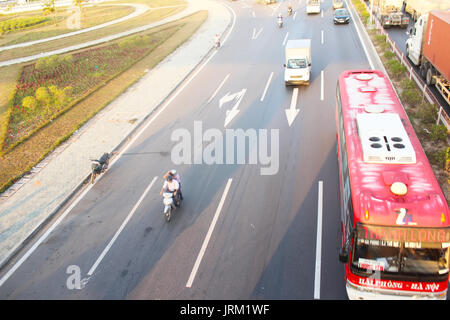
(27,210)
(193,6)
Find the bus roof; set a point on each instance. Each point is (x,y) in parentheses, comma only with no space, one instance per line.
(392,182)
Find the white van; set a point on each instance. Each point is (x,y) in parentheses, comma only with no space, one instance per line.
(297,67)
(312,6)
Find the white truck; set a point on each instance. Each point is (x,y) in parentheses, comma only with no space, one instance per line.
(429,47)
(297,66)
(389,13)
(416,8)
(312,6)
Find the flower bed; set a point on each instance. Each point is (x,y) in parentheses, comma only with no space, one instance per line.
(53,84)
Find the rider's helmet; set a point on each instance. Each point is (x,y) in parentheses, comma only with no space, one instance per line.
(173,172)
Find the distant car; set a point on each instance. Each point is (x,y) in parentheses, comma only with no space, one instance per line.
(341,16)
(337,4)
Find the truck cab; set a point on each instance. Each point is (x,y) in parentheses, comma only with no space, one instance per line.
(414,43)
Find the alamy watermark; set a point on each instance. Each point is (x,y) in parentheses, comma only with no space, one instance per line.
(235,146)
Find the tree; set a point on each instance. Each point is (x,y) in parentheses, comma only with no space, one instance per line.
(49,7)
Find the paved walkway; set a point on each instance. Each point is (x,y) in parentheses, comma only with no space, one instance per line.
(25,211)
(193,6)
(138,10)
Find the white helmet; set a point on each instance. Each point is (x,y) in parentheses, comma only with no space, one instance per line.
(173,172)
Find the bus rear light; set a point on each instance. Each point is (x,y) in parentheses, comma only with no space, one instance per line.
(367,215)
(442,218)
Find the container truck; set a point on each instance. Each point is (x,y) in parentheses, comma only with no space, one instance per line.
(416,8)
(428,47)
(297,67)
(389,13)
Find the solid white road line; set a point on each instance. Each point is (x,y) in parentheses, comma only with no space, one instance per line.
(81,196)
(208,235)
(285,38)
(105,251)
(318,242)
(267,86)
(218,88)
(372,66)
(321,85)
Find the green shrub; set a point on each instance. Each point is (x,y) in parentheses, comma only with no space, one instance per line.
(50,62)
(438,132)
(380,38)
(389,54)
(29,103)
(411,97)
(438,157)
(43,96)
(427,113)
(395,67)
(408,84)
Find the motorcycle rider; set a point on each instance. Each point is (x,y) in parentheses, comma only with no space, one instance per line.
(289,8)
(177,177)
(217,40)
(171,186)
(280,18)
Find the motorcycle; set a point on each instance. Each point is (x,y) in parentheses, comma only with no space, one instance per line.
(289,11)
(170,202)
(99,166)
(280,23)
(217,43)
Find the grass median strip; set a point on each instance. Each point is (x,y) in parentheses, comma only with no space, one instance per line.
(164,39)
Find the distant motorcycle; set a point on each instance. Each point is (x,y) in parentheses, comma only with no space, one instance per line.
(280,23)
(170,202)
(289,11)
(217,41)
(99,166)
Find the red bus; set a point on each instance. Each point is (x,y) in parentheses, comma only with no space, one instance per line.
(395,218)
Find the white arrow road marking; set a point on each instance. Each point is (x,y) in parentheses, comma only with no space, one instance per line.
(292,113)
(256,35)
(230,114)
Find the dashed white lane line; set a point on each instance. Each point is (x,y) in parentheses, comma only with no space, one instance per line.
(218,88)
(208,235)
(318,242)
(285,38)
(105,251)
(267,86)
(321,85)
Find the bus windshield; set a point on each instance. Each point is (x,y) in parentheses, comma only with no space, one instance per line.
(401,256)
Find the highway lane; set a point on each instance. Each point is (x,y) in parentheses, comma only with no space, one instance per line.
(263,244)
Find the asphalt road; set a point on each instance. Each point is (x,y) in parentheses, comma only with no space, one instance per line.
(239,234)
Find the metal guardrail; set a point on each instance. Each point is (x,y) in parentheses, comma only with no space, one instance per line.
(427,93)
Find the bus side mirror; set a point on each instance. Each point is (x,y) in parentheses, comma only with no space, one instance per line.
(284,65)
(343,255)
